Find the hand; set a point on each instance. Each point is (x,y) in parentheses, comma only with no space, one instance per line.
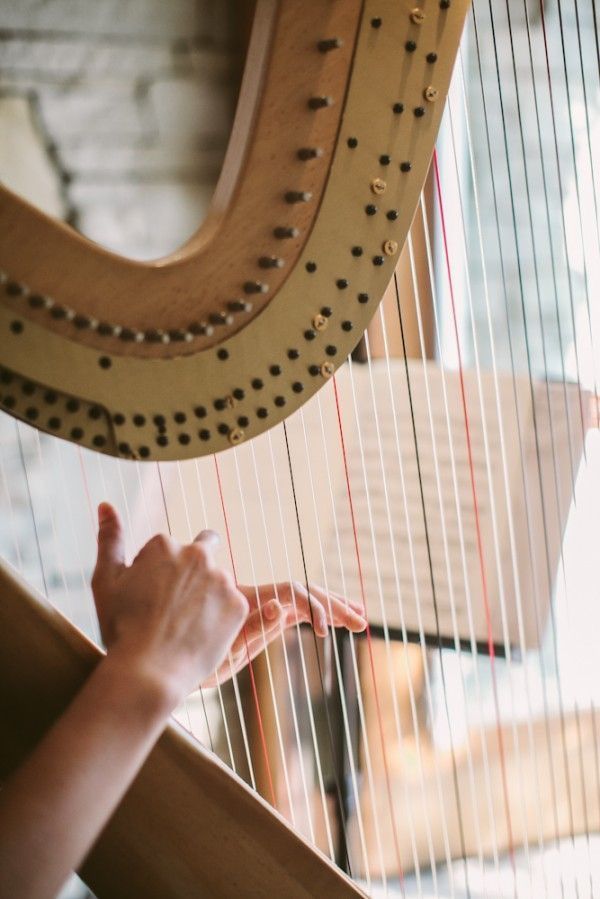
(172,615)
(275,607)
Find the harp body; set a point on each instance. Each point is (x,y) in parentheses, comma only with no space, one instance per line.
(434,472)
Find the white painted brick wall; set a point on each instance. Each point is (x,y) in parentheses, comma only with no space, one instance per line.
(134,99)
(159,20)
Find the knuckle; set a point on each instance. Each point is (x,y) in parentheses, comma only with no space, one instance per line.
(239,604)
(196,554)
(223,580)
(96,578)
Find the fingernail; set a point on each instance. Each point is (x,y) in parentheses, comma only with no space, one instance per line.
(208,536)
(272,610)
(104,513)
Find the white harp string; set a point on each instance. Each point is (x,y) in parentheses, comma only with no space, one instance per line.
(517,238)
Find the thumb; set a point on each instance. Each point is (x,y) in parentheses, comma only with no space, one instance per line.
(209,539)
(111,543)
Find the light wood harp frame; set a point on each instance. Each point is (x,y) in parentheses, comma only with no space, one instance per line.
(339,108)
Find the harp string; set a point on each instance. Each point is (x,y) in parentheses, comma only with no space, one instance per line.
(267,657)
(459,516)
(238,704)
(255,698)
(454,479)
(368,634)
(490,491)
(593,347)
(392,549)
(218,688)
(584,253)
(505,477)
(190,537)
(575,342)
(543,675)
(342,687)
(283,641)
(285,657)
(514,555)
(530,537)
(432,585)
(363,731)
(496,553)
(560,183)
(31,509)
(475,501)
(301,655)
(534,411)
(592,171)
(424,659)
(366,609)
(326,710)
(67,491)
(385,627)
(56,541)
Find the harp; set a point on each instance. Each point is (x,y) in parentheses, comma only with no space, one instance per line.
(438,471)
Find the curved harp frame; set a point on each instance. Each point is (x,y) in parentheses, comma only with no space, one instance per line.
(216,343)
(158,841)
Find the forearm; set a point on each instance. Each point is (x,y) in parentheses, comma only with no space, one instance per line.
(56,804)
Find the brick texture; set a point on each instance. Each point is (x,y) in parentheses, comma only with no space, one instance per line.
(134,102)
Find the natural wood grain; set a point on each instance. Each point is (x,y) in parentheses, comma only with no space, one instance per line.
(129,405)
(188,826)
(283,70)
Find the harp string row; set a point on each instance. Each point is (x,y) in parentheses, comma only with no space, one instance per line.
(398,590)
(451,441)
(365,603)
(535,423)
(255,698)
(515,584)
(356,684)
(515,580)
(475,502)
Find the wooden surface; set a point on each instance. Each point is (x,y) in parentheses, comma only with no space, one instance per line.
(198,401)
(283,70)
(188,826)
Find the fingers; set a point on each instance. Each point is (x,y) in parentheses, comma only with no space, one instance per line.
(111,544)
(356,606)
(309,609)
(261,625)
(316,605)
(340,612)
(208,538)
(251,640)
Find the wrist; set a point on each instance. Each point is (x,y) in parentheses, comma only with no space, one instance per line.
(139,686)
